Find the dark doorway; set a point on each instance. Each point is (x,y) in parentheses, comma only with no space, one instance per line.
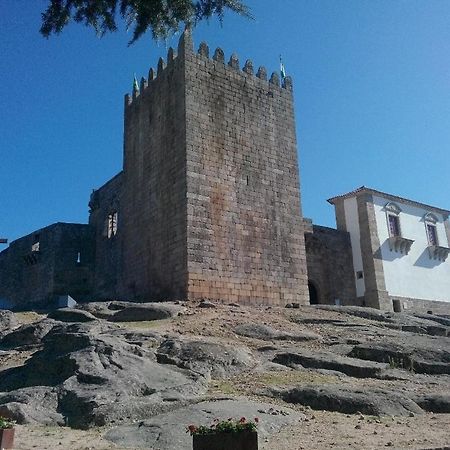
(313,294)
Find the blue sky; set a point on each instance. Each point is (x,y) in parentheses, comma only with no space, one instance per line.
(372,101)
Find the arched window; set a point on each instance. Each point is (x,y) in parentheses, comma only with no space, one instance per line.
(112,224)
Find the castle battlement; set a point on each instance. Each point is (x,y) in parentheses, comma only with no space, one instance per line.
(186,47)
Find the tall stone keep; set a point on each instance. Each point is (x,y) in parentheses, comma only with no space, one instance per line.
(210,197)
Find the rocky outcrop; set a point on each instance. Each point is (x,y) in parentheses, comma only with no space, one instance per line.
(7,321)
(27,335)
(99,378)
(208,358)
(71,315)
(325,360)
(168,431)
(266,333)
(377,402)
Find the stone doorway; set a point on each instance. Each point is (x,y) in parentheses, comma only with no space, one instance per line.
(313,293)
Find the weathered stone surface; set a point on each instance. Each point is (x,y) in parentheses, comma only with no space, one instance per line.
(205,357)
(377,402)
(416,355)
(31,405)
(146,311)
(28,334)
(100,378)
(365,313)
(168,431)
(267,333)
(437,403)
(206,304)
(71,315)
(7,321)
(324,360)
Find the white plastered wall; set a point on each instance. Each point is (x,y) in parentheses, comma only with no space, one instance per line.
(414,275)
(352,225)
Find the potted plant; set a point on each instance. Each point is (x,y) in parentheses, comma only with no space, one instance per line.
(6,433)
(225,435)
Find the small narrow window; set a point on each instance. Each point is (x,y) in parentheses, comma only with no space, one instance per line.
(359,275)
(430,225)
(394,225)
(78,258)
(36,245)
(432,235)
(112,224)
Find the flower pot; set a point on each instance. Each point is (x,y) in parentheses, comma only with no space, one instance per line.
(246,440)
(6,438)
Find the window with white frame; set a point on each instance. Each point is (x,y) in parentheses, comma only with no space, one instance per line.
(393,221)
(430,227)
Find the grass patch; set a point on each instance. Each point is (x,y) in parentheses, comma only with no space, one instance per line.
(144,324)
(246,384)
(28,316)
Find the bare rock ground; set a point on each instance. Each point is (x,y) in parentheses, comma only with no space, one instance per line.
(349,377)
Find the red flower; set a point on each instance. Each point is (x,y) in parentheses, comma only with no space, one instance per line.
(242,420)
(192,428)
(256,420)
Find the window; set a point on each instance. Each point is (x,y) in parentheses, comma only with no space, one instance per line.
(430,227)
(432,235)
(397,242)
(36,245)
(394,225)
(112,224)
(359,275)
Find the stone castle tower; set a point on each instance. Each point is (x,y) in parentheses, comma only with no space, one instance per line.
(208,203)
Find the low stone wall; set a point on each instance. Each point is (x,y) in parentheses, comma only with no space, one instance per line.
(423,306)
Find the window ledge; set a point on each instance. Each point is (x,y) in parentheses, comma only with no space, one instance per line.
(437,252)
(400,244)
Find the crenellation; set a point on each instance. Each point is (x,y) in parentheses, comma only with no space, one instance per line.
(219,55)
(135,93)
(185,43)
(248,67)
(161,66)
(127,99)
(234,61)
(171,55)
(143,84)
(275,79)
(203,49)
(287,84)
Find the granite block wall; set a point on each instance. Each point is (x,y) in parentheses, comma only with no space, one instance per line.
(245,240)
(108,249)
(152,224)
(330,264)
(52,261)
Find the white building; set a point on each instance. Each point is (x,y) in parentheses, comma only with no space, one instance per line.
(399,248)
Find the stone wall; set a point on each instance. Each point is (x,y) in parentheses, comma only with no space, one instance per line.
(211,200)
(423,306)
(37,267)
(245,239)
(152,224)
(108,250)
(330,264)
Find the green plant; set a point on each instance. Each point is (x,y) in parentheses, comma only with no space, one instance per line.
(6,423)
(224,426)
